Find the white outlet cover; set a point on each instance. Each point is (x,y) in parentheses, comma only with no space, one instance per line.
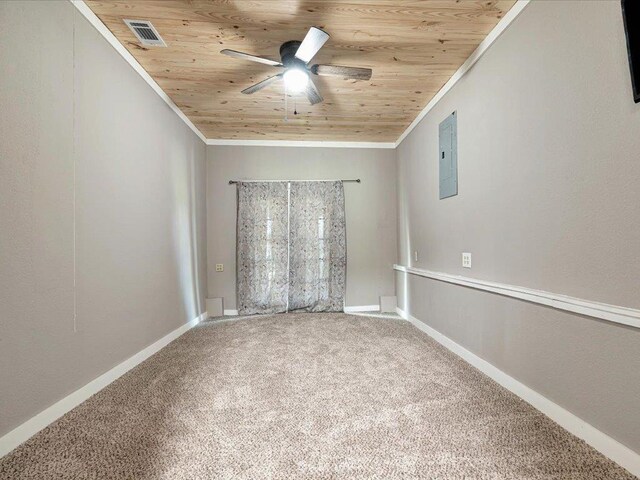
(219,267)
(466,260)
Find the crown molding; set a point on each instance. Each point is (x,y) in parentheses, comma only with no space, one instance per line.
(493,35)
(93,19)
(300,143)
(502,25)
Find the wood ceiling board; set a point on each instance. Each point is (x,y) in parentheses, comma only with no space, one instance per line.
(413,47)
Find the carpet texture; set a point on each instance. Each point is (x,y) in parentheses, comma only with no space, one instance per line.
(305,396)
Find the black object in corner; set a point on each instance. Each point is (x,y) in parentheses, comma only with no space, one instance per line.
(631,17)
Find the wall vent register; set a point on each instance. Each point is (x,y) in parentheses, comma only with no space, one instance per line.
(146,33)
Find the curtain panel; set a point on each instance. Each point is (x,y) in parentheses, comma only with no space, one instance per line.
(262,247)
(317,247)
(291,247)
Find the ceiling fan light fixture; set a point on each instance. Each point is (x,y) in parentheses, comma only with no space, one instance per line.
(295,80)
(296,71)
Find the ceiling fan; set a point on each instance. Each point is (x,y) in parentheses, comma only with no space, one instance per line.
(295,57)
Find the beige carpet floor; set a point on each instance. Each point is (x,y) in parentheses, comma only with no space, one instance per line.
(305,396)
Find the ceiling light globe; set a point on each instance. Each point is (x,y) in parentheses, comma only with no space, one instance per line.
(296,80)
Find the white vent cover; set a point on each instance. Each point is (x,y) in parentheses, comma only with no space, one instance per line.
(146,33)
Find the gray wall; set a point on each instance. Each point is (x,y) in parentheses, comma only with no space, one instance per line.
(549,141)
(140,209)
(370,209)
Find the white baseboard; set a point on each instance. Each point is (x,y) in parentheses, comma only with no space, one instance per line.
(32,426)
(606,445)
(402,313)
(362,308)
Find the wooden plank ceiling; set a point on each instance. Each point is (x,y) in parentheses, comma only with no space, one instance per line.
(413,47)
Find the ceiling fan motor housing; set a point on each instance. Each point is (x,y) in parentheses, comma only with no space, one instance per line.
(288,55)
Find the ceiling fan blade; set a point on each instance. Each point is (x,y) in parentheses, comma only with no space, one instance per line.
(356,73)
(253,58)
(312,43)
(261,85)
(312,93)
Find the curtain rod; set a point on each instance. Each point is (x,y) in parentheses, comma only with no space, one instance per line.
(356,180)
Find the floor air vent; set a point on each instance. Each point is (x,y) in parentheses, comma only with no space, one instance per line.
(146,33)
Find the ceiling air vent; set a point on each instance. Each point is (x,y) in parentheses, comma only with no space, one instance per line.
(146,33)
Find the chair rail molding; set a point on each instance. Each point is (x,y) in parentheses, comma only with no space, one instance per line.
(603,311)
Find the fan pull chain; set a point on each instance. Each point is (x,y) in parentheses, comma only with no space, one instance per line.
(286,109)
(286,105)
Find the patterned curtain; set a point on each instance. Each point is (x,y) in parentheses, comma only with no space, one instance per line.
(262,247)
(317,247)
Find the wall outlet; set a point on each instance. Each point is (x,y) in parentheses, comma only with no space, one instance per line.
(466,260)
(415,256)
(219,267)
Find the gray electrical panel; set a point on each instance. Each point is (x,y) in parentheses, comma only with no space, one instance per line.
(448,157)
